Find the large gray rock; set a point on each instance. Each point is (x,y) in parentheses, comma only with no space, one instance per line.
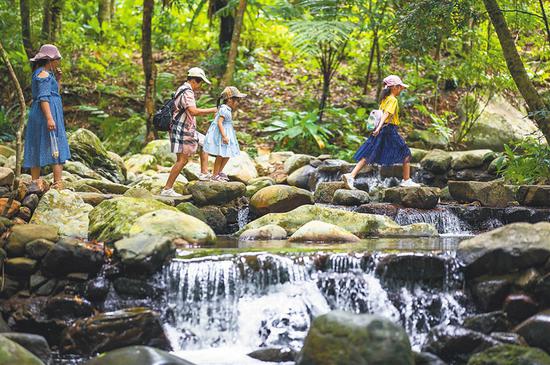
(350,197)
(317,231)
(138,355)
(68,256)
(64,210)
(25,233)
(490,194)
(217,193)
(437,161)
(413,197)
(109,331)
(507,249)
(300,177)
(268,232)
(13,353)
(325,191)
(535,330)
(79,169)
(510,355)
(471,159)
(144,252)
(6,176)
(35,344)
(160,150)
(342,338)
(258,184)
(241,168)
(279,198)
(88,149)
(294,162)
(499,124)
(156,182)
(534,195)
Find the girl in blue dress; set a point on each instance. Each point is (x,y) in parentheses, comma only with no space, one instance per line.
(221,139)
(45,138)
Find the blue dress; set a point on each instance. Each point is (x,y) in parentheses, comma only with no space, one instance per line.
(213,143)
(387,148)
(38,151)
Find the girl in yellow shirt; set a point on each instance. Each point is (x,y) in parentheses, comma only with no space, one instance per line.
(385,146)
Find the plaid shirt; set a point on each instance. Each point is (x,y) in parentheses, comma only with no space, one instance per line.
(182,132)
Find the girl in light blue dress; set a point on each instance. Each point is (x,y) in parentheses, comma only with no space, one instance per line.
(221,139)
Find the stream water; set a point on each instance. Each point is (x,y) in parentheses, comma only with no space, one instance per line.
(219,308)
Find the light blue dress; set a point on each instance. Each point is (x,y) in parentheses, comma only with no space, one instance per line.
(213,143)
(38,151)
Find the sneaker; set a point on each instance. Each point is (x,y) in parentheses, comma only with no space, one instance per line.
(348,181)
(223,176)
(408,183)
(170,193)
(204,177)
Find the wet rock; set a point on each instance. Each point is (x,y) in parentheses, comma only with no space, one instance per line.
(346,338)
(535,330)
(12,210)
(23,234)
(214,217)
(490,194)
(35,344)
(437,161)
(135,288)
(357,223)
(300,177)
(294,162)
(6,176)
(517,214)
(190,209)
(67,307)
(13,353)
(413,197)
(417,154)
(509,338)
(510,355)
(108,331)
(350,197)
(20,266)
(160,150)
(88,149)
(317,231)
(9,286)
(257,184)
(69,256)
(389,210)
(507,249)
(241,168)
(487,323)
(144,252)
(425,358)
(542,289)
(489,294)
(97,289)
(4,326)
(471,159)
(173,224)
(534,195)
(98,186)
(479,174)
(410,230)
(519,307)
(64,210)
(155,183)
(140,163)
(25,214)
(325,191)
(456,344)
(138,355)
(267,232)
(216,193)
(273,354)
(112,219)
(279,198)
(412,267)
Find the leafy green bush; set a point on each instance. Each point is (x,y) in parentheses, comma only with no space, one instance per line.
(527,162)
(7,124)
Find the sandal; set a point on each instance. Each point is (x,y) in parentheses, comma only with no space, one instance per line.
(58,185)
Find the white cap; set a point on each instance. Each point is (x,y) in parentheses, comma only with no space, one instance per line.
(198,72)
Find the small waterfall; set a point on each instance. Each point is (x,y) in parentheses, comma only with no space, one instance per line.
(251,300)
(443,219)
(242,216)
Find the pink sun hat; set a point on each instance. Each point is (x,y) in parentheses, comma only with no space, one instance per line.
(47,52)
(393,80)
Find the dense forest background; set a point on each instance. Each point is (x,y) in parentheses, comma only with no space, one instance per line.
(312,68)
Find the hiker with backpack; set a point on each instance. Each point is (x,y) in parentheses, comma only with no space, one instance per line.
(183,134)
(385,146)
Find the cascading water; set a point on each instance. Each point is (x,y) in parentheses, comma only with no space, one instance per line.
(443,219)
(243,302)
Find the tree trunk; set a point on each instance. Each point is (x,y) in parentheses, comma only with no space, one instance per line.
(517,69)
(20,127)
(325,93)
(233,50)
(104,11)
(113,8)
(24,7)
(51,21)
(227,23)
(57,10)
(378,70)
(545,20)
(148,67)
(371,61)
(47,21)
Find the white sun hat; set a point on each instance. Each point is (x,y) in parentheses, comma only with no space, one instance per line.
(198,72)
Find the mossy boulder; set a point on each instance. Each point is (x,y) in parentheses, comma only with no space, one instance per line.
(343,338)
(160,149)
(98,186)
(79,169)
(534,195)
(257,184)
(437,161)
(279,198)
(173,224)
(490,194)
(350,197)
(417,154)
(357,223)
(13,353)
(138,355)
(140,163)
(6,151)
(214,192)
(317,231)
(471,159)
(156,183)
(325,191)
(143,252)
(268,232)
(192,210)
(300,177)
(112,219)
(413,197)
(241,168)
(87,148)
(410,230)
(296,161)
(25,233)
(510,355)
(64,210)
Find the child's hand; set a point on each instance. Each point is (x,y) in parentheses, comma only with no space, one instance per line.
(375,133)
(225,140)
(51,125)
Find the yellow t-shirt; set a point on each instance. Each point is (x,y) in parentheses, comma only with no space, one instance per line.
(390,105)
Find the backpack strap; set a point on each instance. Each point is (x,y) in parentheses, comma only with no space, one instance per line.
(180,113)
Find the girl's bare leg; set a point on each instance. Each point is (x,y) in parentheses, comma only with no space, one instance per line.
(204,161)
(407,168)
(176,170)
(217,165)
(35,173)
(362,162)
(224,162)
(57,173)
